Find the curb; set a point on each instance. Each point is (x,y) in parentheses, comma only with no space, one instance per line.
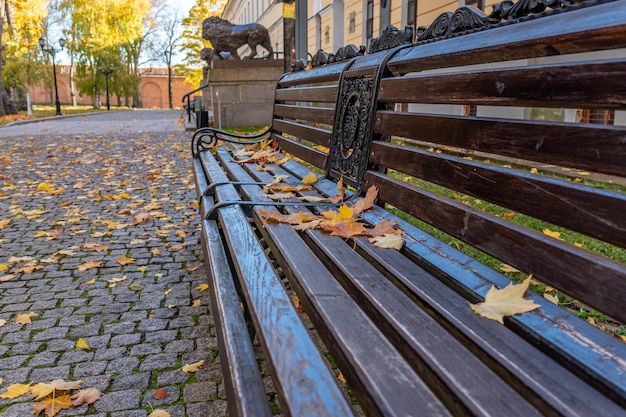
(45,119)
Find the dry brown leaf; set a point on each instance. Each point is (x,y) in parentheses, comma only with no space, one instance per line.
(160,393)
(505,302)
(281,196)
(388,241)
(142,218)
(196,303)
(124,260)
(386,227)
(508,268)
(194,367)
(89,265)
(366,202)
(53,405)
(159,413)
(86,396)
(552,298)
(24,318)
(345,230)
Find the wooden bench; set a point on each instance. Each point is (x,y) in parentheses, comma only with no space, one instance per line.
(436,125)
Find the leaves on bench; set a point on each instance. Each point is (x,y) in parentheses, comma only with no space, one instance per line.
(344,222)
(505,302)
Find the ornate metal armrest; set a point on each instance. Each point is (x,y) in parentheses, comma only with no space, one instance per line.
(206,137)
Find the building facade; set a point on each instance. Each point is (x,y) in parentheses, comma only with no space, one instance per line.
(153,90)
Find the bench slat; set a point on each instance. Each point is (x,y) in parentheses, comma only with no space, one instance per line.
(237,356)
(592,211)
(563,33)
(313,156)
(310,114)
(588,147)
(312,390)
(556,263)
(319,94)
(572,85)
(312,134)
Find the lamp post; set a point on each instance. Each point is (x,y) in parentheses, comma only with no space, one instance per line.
(52,51)
(106,73)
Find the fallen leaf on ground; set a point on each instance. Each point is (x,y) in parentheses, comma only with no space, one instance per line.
(89,265)
(16,390)
(81,344)
(159,413)
(552,298)
(124,260)
(505,302)
(2,323)
(160,393)
(86,396)
(202,287)
(4,223)
(53,405)
(41,390)
(24,318)
(196,303)
(192,367)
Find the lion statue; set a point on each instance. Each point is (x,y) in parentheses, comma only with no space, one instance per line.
(226,37)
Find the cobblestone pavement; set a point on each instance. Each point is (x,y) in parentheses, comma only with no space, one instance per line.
(99,234)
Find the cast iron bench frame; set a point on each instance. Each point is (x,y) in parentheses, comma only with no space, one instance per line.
(397,324)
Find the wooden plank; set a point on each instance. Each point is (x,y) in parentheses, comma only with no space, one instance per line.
(589,210)
(554,262)
(305,132)
(468,386)
(319,94)
(587,147)
(302,377)
(384,383)
(549,386)
(327,73)
(304,113)
(600,27)
(573,85)
(199,179)
(593,355)
(310,155)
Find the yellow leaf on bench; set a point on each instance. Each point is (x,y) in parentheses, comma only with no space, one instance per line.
(505,302)
(310,179)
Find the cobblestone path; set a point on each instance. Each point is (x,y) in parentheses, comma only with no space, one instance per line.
(99,237)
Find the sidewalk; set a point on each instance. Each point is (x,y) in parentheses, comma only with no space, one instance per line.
(99,232)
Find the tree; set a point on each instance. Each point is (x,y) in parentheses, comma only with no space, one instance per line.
(20,29)
(192,35)
(170,41)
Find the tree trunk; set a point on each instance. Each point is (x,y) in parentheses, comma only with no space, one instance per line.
(169,86)
(2,10)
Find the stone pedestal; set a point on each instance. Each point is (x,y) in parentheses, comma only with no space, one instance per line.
(241,92)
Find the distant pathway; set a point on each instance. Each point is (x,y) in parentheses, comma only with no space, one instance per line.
(99,237)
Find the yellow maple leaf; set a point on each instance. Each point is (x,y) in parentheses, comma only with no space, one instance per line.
(4,267)
(310,179)
(505,302)
(53,405)
(86,396)
(202,287)
(16,390)
(81,344)
(89,265)
(192,367)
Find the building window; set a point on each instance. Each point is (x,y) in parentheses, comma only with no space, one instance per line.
(352,23)
(326,35)
(479,4)
(411,13)
(369,22)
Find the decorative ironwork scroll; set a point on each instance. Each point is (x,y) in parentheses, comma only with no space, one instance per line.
(390,38)
(343,54)
(467,18)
